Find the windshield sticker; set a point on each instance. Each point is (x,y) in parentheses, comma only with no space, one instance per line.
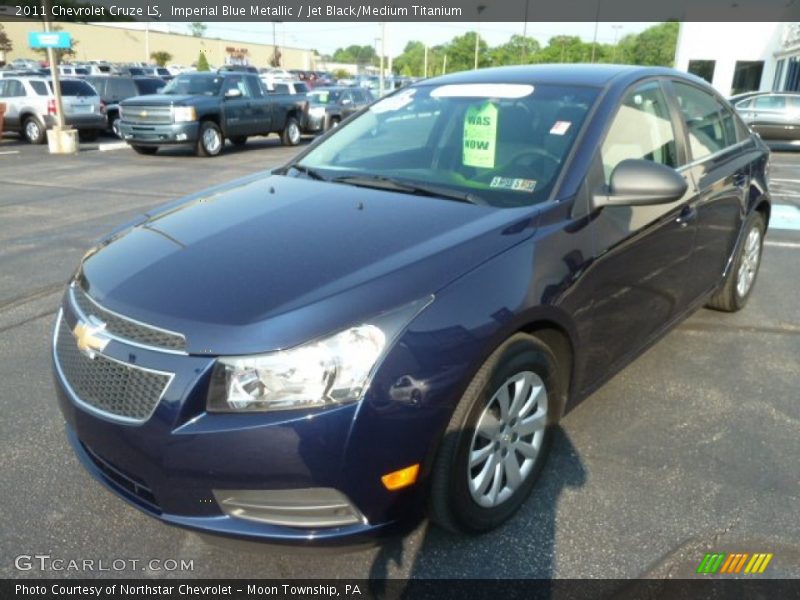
(483,90)
(323,97)
(517,185)
(480,136)
(395,102)
(560,128)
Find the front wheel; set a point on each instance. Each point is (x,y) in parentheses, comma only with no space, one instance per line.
(498,438)
(291,133)
(34,131)
(210,141)
(741,278)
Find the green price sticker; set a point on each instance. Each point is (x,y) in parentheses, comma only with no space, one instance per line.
(480,136)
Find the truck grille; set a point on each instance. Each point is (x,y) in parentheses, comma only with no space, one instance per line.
(126,329)
(147,115)
(120,391)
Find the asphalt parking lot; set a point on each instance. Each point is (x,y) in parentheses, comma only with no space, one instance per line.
(692,448)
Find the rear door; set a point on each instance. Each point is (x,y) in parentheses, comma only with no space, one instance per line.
(720,153)
(260,115)
(237,110)
(642,252)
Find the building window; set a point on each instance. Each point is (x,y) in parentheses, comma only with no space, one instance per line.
(747,76)
(703,68)
(792,83)
(777,83)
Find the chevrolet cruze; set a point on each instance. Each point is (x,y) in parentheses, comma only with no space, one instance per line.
(391,324)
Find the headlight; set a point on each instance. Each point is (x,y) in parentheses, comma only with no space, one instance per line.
(184,113)
(332,371)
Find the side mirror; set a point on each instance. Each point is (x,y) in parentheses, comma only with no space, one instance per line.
(346,101)
(233,93)
(641,183)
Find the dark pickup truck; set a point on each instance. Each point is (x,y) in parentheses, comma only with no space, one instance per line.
(205,109)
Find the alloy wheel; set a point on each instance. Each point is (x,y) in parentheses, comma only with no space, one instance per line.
(212,140)
(750,260)
(507,439)
(32,130)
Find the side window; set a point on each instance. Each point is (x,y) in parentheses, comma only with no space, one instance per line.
(14,89)
(40,87)
(729,127)
(770,103)
(237,83)
(744,104)
(703,115)
(281,88)
(254,87)
(642,129)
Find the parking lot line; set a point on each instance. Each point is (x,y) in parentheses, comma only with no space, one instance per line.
(777,244)
(10,152)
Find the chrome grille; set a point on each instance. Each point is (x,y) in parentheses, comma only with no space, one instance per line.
(127,329)
(147,115)
(118,390)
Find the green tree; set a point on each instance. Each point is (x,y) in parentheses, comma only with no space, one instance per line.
(161,57)
(59,52)
(655,46)
(198,28)
(564,49)
(461,53)
(202,62)
(411,62)
(360,55)
(519,50)
(341,74)
(5,41)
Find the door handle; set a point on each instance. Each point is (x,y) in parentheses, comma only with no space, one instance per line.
(688,214)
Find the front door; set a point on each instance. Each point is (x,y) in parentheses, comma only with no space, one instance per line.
(641,252)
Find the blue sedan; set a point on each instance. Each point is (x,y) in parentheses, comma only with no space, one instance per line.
(391,325)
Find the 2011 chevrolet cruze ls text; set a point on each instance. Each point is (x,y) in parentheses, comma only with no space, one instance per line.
(390,325)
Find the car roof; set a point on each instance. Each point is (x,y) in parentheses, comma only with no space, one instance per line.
(559,74)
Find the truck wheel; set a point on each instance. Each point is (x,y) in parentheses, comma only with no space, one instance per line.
(210,141)
(148,150)
(238,140)
(291,133)
(334,123)
(34,131)
(115,126)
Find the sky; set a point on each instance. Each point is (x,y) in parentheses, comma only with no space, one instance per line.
(327,37)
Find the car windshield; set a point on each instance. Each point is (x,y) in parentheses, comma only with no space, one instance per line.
(323,97)
(195,85)
(499,144)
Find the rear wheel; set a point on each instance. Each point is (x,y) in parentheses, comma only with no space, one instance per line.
(238,140)
(290,136)
(115,126)
(498,438)
(210,141)
(147,150)
(34,131)
(741,278)
(334,123)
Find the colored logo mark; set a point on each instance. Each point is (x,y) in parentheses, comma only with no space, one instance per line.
(732,563)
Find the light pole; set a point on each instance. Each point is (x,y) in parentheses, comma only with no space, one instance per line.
(383,53)
(616,29)
(481,7)
(524,57)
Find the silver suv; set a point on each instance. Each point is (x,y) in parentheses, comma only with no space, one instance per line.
(31,107)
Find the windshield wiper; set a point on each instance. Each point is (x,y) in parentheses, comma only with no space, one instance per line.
(407,187)
(307,171)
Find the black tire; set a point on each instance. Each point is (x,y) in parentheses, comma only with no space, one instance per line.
(88,135)
(291,135)
(146,150)
(209,131)
(238,140)
(452,505)
(114,124)
(731,297)
(34,131)
(334,122)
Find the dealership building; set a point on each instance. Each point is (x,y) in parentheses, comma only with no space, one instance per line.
(135,42)
(741,57)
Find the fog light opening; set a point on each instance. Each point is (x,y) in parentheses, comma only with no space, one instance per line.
(402,478)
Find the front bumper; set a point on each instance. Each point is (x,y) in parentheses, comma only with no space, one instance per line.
(160,135)
(174,464)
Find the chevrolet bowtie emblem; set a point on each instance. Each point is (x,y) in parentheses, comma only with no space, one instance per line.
(90,336)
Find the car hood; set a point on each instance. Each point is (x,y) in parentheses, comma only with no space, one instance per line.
(272,262)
